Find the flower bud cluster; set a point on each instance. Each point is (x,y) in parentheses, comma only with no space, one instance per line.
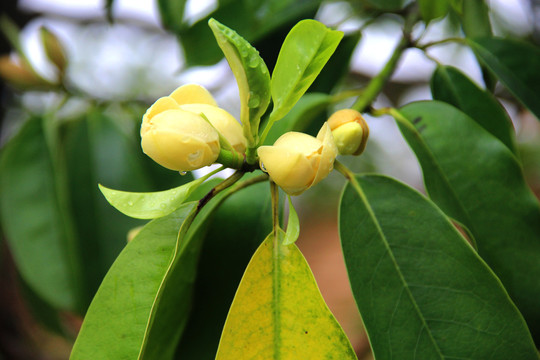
(181,131)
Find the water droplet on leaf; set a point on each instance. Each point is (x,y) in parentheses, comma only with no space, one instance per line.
(254,100)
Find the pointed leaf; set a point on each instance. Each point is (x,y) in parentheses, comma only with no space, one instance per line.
(515,63)
(476,179)
(293,225)
(278,312)
(475,19)
(421,289)
(251,75)
(35,218)
(305,51)
(448,84)
(149,205)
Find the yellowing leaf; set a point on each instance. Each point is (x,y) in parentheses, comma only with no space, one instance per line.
(279,313)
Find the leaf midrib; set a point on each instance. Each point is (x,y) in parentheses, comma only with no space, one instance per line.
(373,217)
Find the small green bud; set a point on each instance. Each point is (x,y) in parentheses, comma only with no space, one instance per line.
(350,131)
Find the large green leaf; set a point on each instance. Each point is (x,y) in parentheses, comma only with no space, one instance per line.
(237,229)
(305,51)
(450,85)
(477,180)
(35,217)
(251,75)
(515,63)
(279,313)
(475,19)
(151,284)
(422,290)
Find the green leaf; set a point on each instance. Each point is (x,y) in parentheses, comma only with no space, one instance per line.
(248,212)
(35,218)
(476,179)
(433,9)
(421,289)
(116,322)
(251,75)
(448,84)
(475,19)
(152,283)
(109,10)
(457,5)
(387,5)
(305,51)
(278,312)
(172,13)
(293,225)
(515,63)
(149,205)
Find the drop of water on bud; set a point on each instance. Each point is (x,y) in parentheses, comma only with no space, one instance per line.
(183,173)
(263,168)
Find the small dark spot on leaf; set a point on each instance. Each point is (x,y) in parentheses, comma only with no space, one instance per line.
(421,128)
(417,120)
(305,332)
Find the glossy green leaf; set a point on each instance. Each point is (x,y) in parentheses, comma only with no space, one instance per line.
(293,225)
(422,290)
(248,212)
(305,51)
(251,75)
(457,5)
(116,322)
(152,283)
(450,85)
(149,205)
(433,9)
(515,63)
(34,217)
(279,313)
(172,13)
(477,180)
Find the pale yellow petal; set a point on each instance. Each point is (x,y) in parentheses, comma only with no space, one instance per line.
(192,94)
(160,105)
(328,154)
(292,171)
(224,122)
(299,142)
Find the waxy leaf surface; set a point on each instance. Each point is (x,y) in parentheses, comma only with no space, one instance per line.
(279,313)
(422,290)
(305,51)
(474,178)
(450,85)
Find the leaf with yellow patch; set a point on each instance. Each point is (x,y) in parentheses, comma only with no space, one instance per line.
(278,312)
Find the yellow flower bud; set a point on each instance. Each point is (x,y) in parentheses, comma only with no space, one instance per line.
(298,161)
(350,131)
(178,139)
(20,74)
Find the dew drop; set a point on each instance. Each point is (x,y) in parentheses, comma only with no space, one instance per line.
(174,191)
(183,173)
(162,206)
(254,101)
(253,62)
(130,203)
(263,168)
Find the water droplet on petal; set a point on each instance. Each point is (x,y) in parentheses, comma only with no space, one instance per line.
(263,168)
(183,173)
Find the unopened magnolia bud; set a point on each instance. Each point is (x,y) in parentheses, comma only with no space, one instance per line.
(53,49)
(350,131)
(20,75)
(298,161)
(177,139)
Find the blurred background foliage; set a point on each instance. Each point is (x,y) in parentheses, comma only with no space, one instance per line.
(79,75)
